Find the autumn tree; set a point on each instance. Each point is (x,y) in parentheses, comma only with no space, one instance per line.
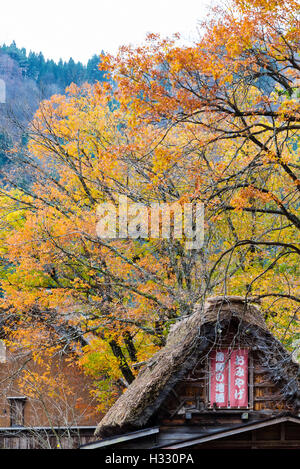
(236,94)
(216,123)
(79,155)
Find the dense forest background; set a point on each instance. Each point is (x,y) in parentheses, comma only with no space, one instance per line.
(30,78)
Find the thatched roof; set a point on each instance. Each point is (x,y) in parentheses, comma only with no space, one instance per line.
(187,340)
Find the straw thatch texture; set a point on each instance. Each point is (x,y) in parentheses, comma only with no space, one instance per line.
(187,340)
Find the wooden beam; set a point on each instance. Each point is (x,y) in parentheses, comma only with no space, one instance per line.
(121,438)
(236,431)
(282,431)
(251,383)
(176,395)
(261,444)
(177,409)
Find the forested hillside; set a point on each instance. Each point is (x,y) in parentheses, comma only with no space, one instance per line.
(45,72)
(29,78)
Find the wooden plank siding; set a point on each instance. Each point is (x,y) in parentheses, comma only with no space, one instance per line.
(45,438)
(191,395)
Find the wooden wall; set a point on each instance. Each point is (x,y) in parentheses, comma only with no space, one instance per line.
(191,395)
(45,439)
(47,405)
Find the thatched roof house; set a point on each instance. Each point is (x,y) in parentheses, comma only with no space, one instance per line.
(175,382)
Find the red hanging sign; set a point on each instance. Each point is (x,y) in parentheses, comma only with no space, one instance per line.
(229,378)
(239,378)
(219,378)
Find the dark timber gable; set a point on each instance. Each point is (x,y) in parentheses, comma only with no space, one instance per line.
(188,402)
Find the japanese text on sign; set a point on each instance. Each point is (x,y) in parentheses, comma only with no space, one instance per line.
(229,378)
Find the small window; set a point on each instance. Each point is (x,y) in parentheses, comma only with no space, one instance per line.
(17,405)
(228,378)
